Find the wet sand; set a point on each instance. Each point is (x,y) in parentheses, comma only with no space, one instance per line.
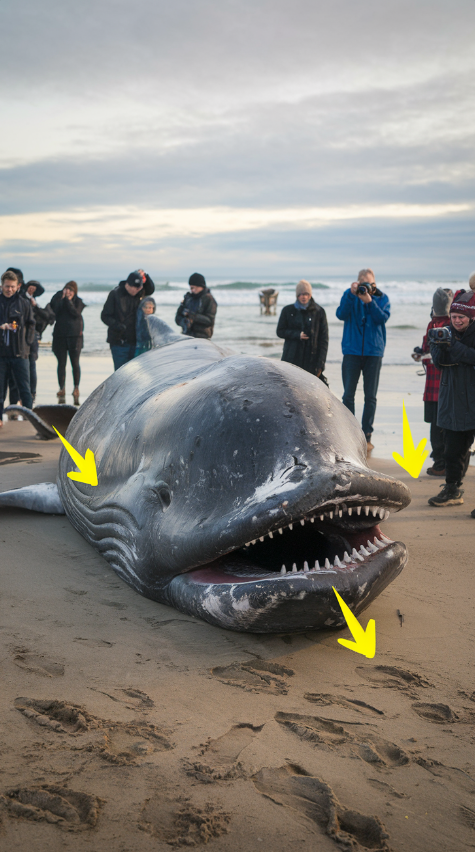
(130,726)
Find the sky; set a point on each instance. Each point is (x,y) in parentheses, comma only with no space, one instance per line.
(241,138)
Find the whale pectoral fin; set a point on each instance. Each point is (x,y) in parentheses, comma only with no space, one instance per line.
(43,497)
(42,417)
(161,333)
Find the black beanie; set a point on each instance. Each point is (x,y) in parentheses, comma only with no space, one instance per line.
(196,280)
(18,273)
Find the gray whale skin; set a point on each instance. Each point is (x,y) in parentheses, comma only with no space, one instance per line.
(215,470)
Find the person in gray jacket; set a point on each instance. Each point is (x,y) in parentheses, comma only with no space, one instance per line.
(456,414)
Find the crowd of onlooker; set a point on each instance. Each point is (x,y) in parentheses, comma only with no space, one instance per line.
(447,352)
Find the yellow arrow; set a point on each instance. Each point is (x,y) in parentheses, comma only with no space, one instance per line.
(365,640)
(87,466)
(414,457)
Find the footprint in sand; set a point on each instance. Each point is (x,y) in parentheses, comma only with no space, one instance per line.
(220,757)
(360,743)
(255,676)
(180,822)
(39,664)
(326,700)
(68,809)
(120,743)
(393,677)
(440,713)
(312,802)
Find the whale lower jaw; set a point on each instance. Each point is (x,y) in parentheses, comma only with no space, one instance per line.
(290,603)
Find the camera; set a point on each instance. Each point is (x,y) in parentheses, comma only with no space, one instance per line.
(363,288)
(441,336)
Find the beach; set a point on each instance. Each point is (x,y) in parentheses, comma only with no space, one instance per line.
(131,726)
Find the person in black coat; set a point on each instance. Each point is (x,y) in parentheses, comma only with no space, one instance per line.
(304,328)
(68,335)
(120,315)
(197,312)
(456,412)
(17,331)
(43,317)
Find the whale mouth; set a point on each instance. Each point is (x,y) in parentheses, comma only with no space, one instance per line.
(332,539)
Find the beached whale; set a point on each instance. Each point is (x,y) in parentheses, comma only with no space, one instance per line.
(232,487)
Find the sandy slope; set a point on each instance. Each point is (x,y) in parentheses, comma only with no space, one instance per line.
(129,726)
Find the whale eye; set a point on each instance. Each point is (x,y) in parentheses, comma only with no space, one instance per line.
(161,493)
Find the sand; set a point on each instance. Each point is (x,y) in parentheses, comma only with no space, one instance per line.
(127,725)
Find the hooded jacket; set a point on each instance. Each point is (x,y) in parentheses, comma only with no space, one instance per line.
(457,382)
(16,309)
(309,354)
(120,313)
(364,332)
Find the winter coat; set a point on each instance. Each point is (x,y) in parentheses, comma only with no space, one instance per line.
(69,324)
(204,312)
(120,313)
(364,332)
(308,354)
(457,382)
(431,390)
(18,309)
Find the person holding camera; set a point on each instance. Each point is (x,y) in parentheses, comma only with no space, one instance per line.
(453,351)
(120,315)
(304,328)
(197,312)
(440,317)
(364,309)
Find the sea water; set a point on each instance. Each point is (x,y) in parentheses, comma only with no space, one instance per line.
(241,326)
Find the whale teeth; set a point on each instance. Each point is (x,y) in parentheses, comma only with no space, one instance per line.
(281,532)
(340,513)
(350,511)
(283,570)
(386,514)
(312,519)
(386,539)
(261,538)
(305,567)
(331,514)
(358,510)
(347,558)
(366,510)
(337,562)
(291,526)
(294,568)
(321,517)
(363,551)
(271,535)
(356,555)
(371,547)
(327,563)
(379,544)
(253,542)
(374,510)
(317,565)
(302,522)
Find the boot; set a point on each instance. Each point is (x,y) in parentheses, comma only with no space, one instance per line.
(450,495)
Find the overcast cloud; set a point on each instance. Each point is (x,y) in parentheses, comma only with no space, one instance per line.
(243,137)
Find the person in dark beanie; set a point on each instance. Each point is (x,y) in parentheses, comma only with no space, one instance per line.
(440,316)
(304,328)
(17,331)
(120,315)
(68,335)
(455,359)
(197,312)
(43,317)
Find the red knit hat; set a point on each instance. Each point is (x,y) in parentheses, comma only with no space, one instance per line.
(464,303)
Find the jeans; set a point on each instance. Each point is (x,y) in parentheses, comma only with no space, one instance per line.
(122,354)
(19,368)
(351,369)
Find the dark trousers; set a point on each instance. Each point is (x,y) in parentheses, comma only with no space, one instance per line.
(122,354)
(436,434)
(61,350)
(32,358)
(351,369)
(457,455)
(19,368)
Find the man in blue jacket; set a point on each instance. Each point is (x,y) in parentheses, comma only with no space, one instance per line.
(365,311)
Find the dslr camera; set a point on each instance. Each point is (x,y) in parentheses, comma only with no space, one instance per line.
(363,288)
(441,336)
